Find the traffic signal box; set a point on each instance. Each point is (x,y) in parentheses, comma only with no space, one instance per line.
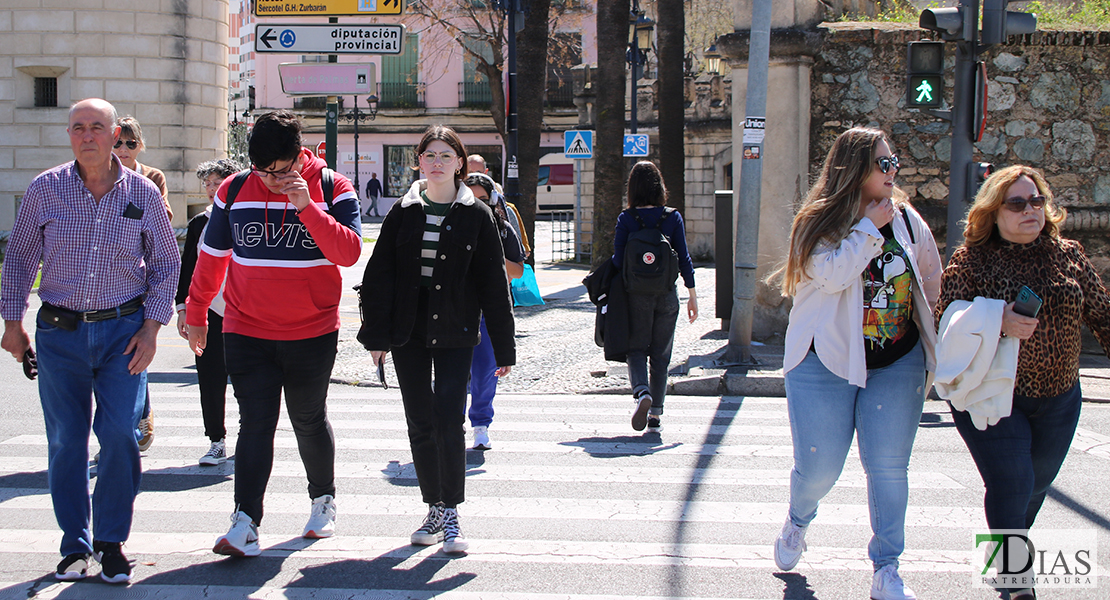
(925,75)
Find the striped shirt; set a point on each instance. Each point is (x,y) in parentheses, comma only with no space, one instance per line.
(96,254)
(434,214)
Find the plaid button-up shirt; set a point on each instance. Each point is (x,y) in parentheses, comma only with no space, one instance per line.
(94,255)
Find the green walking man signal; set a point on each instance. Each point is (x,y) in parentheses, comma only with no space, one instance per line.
(925,75)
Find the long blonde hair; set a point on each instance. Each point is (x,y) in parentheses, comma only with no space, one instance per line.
(832,205)
(981,218)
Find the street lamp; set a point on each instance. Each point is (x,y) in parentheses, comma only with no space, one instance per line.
(712,60)
(639,42)
(356,116)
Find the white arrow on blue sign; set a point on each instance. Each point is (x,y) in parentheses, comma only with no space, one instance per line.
(636,144)
(578,144)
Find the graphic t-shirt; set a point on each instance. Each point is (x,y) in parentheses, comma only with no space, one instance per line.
(889,331)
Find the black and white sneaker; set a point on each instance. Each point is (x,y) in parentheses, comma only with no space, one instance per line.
(216,455)
(431,532)
(73,567)
(114,566)
(453,540)
(654,424)
(640,406)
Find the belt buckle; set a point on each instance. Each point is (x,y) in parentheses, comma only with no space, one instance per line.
(86,316)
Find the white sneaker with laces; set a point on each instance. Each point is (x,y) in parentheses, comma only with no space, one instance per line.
(431,532)
(241,539)
(886,584)
(216,455)
(481,438)
(453,540)
(789,546)
(321,521)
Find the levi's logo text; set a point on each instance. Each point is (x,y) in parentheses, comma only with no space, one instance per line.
(1040,558)
(272,235)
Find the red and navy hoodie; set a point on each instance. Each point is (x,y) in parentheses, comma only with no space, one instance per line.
(282,267)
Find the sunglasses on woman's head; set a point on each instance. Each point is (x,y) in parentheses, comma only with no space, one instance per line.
(131,144)
(886,163)
(1018,203)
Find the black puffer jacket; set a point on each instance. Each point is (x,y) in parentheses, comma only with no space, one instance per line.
(468,279)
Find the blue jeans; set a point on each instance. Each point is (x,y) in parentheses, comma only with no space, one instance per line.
(260,370)
(1020,456)
(651,323)
(74,367)
(825,411)
(483,381)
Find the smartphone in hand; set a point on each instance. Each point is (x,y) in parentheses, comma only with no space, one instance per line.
(1027,303)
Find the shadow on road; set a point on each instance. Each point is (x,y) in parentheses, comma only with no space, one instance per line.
(797,588)
(622,445)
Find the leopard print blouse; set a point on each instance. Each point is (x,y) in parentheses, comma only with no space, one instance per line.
(1060,273)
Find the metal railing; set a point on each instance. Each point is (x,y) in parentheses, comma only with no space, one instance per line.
(400,95)
(475,94)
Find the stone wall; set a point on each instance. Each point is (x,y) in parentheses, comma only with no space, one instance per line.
(1048,107)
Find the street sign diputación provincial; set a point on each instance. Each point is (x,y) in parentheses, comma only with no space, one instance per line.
(326,8)
(329,38)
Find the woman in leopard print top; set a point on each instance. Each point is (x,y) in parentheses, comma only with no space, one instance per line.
(1012,239)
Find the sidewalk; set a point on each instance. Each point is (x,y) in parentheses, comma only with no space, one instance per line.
(556,352)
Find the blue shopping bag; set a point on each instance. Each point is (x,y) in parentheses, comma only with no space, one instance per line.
(525,289)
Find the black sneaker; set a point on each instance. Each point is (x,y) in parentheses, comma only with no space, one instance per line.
(73,567)
(114,566)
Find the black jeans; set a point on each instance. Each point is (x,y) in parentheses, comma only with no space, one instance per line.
(260,369)
(212,376)
(435,413)
(651,324)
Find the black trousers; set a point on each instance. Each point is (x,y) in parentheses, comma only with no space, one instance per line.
(435,413)
(260,369)
(212,376)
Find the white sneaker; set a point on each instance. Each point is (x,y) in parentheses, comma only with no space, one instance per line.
(431,532)
(241,539)
(321,521)
(481,439)
(453,540)
(886,584)
(789,546)
(216,455)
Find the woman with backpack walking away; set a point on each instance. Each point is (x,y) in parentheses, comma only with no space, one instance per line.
(864,272)
(649,248)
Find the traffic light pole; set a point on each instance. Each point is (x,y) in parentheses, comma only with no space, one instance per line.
(962,141)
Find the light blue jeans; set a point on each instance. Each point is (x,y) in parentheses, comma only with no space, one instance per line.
(75,366)
(825,412)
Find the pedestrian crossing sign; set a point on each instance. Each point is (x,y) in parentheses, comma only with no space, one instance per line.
(578,144)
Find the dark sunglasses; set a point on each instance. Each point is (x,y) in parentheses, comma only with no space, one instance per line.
(887,163)
(131,144)
(1018,204)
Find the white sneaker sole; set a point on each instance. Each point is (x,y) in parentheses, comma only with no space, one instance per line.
(212,462)
(223,546)
(456,547)
(426,539)
(312,534)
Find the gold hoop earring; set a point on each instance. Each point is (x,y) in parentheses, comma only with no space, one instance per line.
(458,171)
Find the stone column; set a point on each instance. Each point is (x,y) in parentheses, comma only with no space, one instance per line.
(786,147)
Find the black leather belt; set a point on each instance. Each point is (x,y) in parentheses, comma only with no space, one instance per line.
(93,316)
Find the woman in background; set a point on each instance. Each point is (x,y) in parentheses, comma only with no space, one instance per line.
(211,371)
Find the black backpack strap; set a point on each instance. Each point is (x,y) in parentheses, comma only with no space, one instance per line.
(666,213)
(906,218)
(234,187)
(636,215)
(327,181)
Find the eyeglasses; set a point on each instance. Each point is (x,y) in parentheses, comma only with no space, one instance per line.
(263,172)
(886,163)
(440,157)
(131,144)
(1018,204)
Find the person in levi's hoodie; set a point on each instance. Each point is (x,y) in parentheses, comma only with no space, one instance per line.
(280,243)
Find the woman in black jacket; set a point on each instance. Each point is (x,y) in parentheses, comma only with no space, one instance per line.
(437,267)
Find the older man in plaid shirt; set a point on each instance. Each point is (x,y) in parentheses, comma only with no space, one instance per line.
(109,272)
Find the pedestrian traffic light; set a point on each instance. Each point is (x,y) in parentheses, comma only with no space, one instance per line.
(978,172)
(925,75)
(999,24)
